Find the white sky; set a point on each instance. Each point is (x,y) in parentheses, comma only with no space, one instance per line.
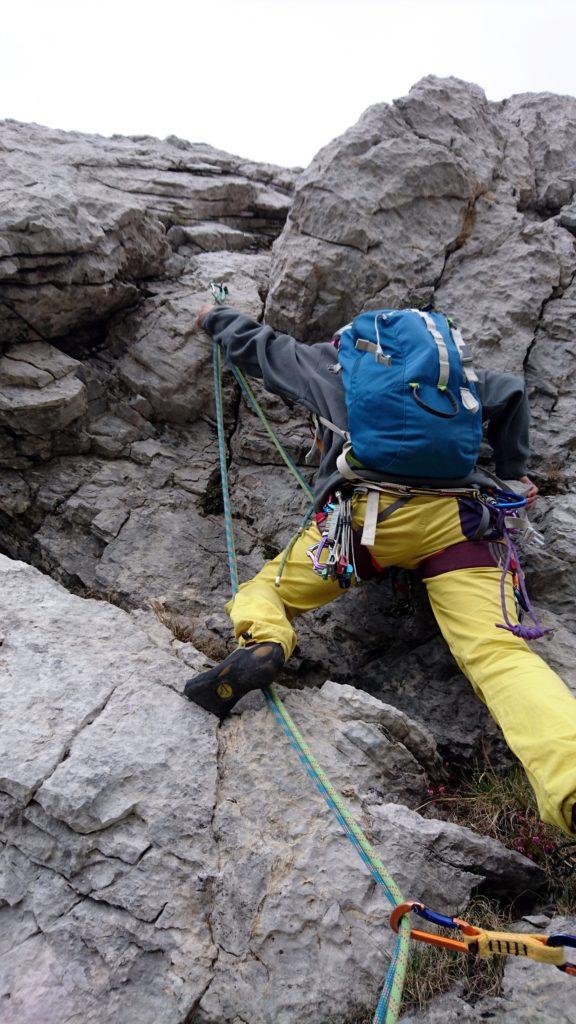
(268,79)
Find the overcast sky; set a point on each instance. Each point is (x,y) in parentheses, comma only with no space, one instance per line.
(268,79)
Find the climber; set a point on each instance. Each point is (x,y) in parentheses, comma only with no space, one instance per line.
(433,534)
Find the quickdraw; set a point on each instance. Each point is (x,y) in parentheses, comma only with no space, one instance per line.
(219,291)
(333,555)
(483,943)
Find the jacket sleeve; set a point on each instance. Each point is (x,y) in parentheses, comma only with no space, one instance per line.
(506,410)
(281,362)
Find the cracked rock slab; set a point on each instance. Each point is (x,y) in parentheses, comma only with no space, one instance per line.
(166,359)
(107,850)
(156,868)
(297,902)
(85,219)
(39,397)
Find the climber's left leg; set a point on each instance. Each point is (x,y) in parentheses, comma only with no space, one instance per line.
(262,613)
(533,707)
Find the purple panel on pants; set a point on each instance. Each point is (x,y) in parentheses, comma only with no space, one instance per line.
(468,554)
(475,520)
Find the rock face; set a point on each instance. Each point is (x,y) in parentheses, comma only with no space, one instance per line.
(87,217)
(156,868)
(182,872)
(110,479)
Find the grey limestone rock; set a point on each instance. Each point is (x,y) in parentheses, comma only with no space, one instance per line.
(165,359)
(157,868)
(86,218)
(41,392)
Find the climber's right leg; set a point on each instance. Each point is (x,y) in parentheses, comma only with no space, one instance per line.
(533,707)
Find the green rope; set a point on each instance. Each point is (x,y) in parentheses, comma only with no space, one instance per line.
(388,1008)
(288,549)
(230,547)
(253,401)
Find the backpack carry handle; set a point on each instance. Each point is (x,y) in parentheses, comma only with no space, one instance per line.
(436,412)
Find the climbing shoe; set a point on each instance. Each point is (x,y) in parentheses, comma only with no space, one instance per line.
(248,668)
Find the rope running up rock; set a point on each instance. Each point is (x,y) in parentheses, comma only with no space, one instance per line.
(388,1008)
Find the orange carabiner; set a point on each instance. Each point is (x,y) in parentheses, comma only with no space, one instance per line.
(446,922)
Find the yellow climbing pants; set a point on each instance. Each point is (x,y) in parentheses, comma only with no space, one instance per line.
(531,704)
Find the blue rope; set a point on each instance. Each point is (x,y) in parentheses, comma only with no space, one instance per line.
(388,1007)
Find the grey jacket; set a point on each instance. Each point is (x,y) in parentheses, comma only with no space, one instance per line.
(303,374)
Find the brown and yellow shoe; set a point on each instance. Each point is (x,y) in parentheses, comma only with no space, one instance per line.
(248,668)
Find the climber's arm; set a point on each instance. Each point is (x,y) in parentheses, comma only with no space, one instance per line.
(283,364)
(506,410)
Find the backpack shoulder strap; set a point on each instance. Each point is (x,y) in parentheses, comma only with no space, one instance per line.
(465,355)
(444,374)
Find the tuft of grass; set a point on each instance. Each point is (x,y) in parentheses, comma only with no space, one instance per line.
(501,804)
(432,971)
(179,630)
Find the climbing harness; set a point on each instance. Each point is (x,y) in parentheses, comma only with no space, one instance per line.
(388,1007)
(483,943)
(337,554)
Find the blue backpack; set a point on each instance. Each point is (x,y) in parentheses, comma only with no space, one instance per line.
(413,409)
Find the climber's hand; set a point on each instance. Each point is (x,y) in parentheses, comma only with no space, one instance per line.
(205,309)
(531,492)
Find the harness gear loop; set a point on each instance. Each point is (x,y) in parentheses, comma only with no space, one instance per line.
(484,943)
(504,508)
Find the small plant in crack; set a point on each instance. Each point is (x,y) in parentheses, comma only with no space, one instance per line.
(500,804)
(180,630)
(211,503)
(432,971)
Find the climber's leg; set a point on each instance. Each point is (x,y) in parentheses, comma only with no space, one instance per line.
(533,707)
(262,612)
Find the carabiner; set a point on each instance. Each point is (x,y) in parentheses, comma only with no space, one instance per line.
(219,291)
(440,919)
(315,552)
(564,940)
